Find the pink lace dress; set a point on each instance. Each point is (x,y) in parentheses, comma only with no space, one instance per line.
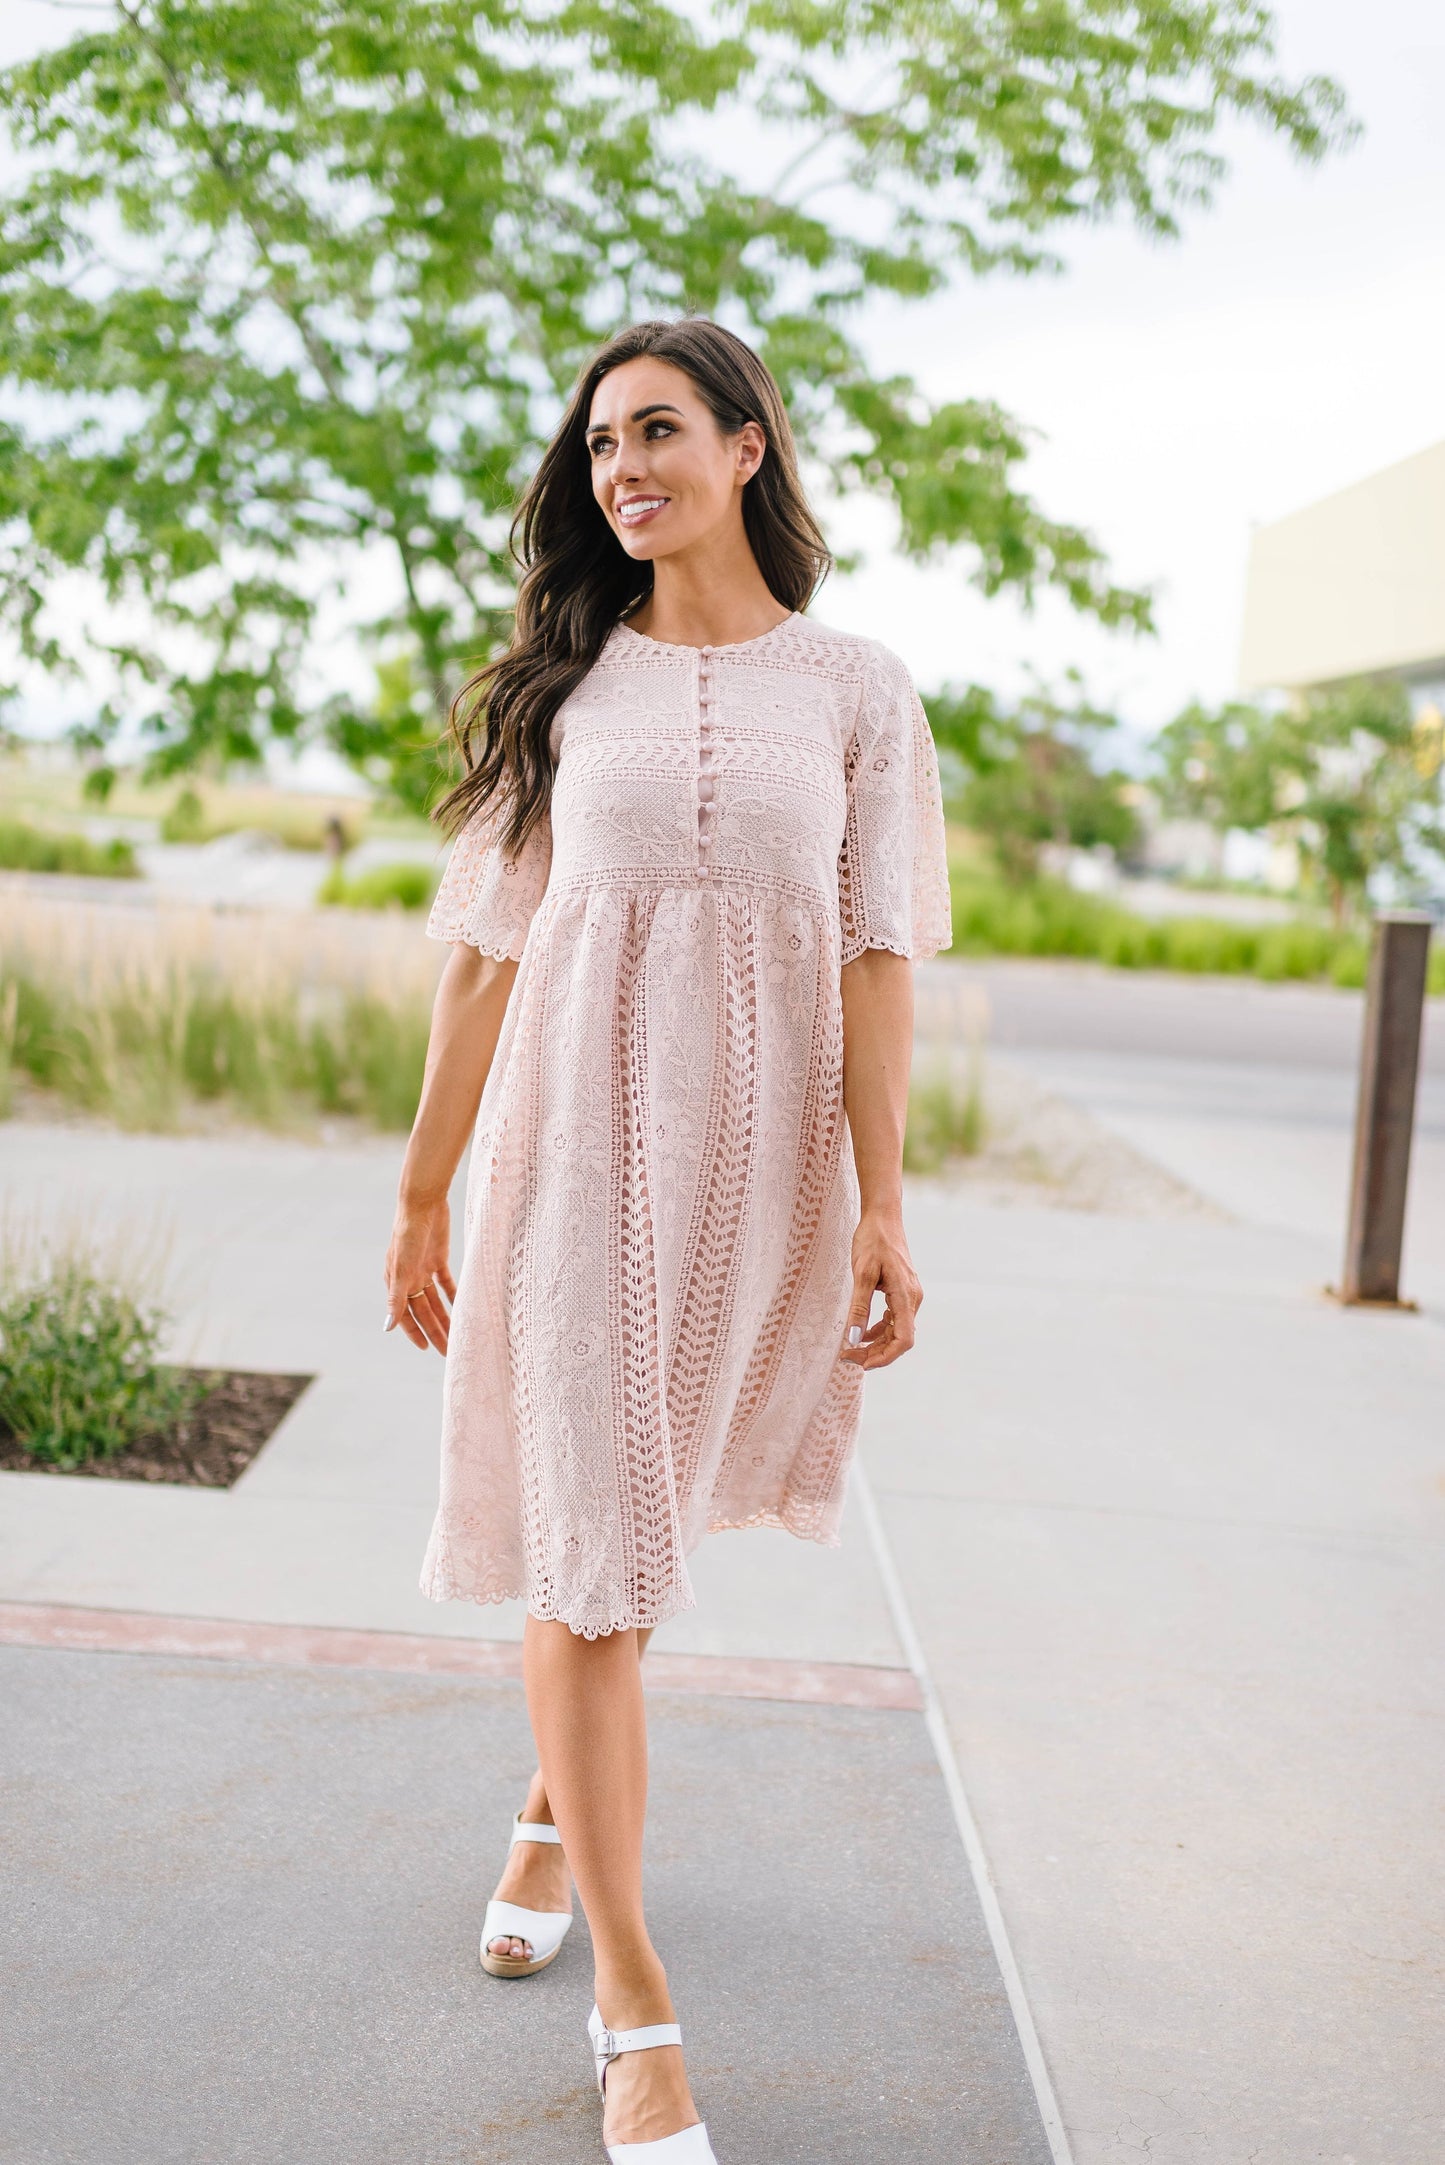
(661,1196)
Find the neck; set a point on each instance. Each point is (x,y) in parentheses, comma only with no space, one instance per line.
(710,595)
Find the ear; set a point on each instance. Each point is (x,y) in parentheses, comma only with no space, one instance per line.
(750,449)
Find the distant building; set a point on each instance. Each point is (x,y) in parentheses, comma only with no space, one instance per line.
(1353,586)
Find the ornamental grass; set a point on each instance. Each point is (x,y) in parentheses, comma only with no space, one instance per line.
(150,1015)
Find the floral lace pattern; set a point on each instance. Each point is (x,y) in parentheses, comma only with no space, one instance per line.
(661,1201)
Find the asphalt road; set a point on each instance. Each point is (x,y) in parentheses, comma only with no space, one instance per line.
(1244,1091)
(1084,1007)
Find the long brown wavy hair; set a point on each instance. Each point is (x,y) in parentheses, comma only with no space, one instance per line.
(578,580)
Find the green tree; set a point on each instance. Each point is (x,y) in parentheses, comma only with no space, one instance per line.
(1348,775)
(1220,765)
(1367,801)
(1034,773)
(295,283)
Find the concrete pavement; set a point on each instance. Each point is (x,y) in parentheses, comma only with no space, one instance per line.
(1172,1529)
(1167,1525)
(1174,1548)
(245,1904)
(782,1827)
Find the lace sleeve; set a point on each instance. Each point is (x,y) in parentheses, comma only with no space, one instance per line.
(893,866)
(488,899)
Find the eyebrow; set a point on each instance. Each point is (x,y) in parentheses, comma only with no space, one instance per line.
(659,406)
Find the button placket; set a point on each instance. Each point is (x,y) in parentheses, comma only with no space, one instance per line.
(705,786)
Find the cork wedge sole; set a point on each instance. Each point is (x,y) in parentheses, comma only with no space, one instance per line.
(543,1930)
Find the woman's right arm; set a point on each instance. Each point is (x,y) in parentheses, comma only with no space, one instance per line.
(466,1023)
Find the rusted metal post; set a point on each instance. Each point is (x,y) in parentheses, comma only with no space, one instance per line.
(1385,1114)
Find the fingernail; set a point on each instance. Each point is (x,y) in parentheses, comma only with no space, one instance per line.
(389,1324)
(855,1334)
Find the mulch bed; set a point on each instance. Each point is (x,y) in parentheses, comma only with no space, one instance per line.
(210,1448)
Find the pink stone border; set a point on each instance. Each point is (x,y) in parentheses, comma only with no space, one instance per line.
(305,1646)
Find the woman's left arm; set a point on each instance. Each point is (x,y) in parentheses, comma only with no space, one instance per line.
(877,1057)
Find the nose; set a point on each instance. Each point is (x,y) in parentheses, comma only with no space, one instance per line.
(626,465)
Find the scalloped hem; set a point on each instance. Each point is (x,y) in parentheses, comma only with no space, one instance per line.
(498,950)
(783,1524)
(441,1584)
(436,1587)
(910,951)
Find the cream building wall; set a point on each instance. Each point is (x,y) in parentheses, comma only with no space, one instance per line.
(1353,585)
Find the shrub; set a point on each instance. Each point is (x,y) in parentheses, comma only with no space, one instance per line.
(79,1378)
(1047,917)
(186,820)
(944,1121)
(36,849)
(399,886)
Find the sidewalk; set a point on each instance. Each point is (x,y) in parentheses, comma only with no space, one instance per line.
(260,1884)
(246,1905)
(1171,1527)
(1168,1526)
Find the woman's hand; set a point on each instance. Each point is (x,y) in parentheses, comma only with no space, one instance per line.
(418,1273)
(881,1259)
(466,1024)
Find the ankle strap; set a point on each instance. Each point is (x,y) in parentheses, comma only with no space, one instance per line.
(533,1830)
(610,2042)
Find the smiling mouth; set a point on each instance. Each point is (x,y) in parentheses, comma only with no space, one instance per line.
(638,508)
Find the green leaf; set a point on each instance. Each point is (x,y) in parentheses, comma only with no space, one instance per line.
(285,288)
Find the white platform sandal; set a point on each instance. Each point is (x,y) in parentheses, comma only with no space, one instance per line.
(543,1929)
(689,2146)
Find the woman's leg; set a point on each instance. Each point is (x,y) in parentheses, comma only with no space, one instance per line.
(585,1700)
(536,1875)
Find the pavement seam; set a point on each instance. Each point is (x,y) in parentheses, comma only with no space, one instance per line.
(133,1631)
(937,1726)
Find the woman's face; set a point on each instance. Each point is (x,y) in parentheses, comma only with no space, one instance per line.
(663,472)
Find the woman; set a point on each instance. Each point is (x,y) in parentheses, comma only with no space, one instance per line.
(700,840)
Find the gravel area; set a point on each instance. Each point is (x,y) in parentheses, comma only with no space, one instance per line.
(1039,1148)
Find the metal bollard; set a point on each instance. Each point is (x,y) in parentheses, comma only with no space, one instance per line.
(1385,1113)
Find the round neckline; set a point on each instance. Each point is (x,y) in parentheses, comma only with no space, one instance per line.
(731,646)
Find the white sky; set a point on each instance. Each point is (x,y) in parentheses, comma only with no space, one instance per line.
(1292,342)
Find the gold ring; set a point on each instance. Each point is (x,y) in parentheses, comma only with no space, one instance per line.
(419,1292)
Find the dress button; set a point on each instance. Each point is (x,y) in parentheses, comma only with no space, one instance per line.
(704,788)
